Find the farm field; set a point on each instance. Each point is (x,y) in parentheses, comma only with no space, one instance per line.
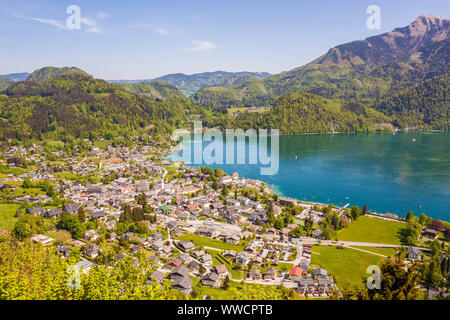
(348,265)
(7,215)
(384,251)
(375,230)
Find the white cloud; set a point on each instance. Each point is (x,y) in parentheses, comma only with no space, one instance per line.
(55,23)
(158,30)
(201,46)
(94,30)
(161,31)
(91,24)
(88,22)
(103,15)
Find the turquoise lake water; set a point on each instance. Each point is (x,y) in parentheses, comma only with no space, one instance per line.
(391,173)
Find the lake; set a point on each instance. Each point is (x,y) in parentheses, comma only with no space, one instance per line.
(390,172)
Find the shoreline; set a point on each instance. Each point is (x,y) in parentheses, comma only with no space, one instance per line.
(275,189)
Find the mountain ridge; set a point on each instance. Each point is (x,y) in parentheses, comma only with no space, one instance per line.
(362,69)
(191,83)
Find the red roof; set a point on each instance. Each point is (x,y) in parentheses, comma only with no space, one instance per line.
(296,271)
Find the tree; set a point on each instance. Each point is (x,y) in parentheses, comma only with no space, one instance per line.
(364,212)
(279,223)
(355,213)
(72,224)
(409,216)
(226,283)
(143,227)
(423,219)
(27,183)
(397,283)
(81,214)
(21,230)
(436,224)
(411,233)
(298,232)
(435,248)
(62,236)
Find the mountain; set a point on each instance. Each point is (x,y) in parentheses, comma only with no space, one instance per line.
(157,90)
(52,72)
(78,106)
(189,84)
(238,78)
(424,105)
(5,83)
(302,112)
(360,70)
(16,77)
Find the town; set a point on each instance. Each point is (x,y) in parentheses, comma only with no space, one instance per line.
(201,228)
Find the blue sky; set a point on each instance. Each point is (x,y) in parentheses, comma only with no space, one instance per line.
(139,39)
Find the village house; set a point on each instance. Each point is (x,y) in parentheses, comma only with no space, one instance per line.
(211,279)
(319,273)
(287,201)
(295,273)
(99,214)
(193,265)
(135,248)
(413,253)
(63,250)
(157,245)
(229,254)
(92,250)
(178,272)
(186,246)
(71,208)
(173,263)
(430,233)
(251,248)
(255,274)
(242,258)
(324,285)
(183,284)
(156,236)
(90,235)
(232,239)
(222,270)
(206,259)
(53,213)
(44,240)
(157,276)
(318,234)
(270,274)
(207,232)
(226,180)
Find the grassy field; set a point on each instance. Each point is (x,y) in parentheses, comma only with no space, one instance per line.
(66,176)
(367,229)
(384,251)
(7,213)
(102,144)
(208,242)
(346,264)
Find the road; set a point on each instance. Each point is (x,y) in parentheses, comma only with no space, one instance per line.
(354,243)
(163,176)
